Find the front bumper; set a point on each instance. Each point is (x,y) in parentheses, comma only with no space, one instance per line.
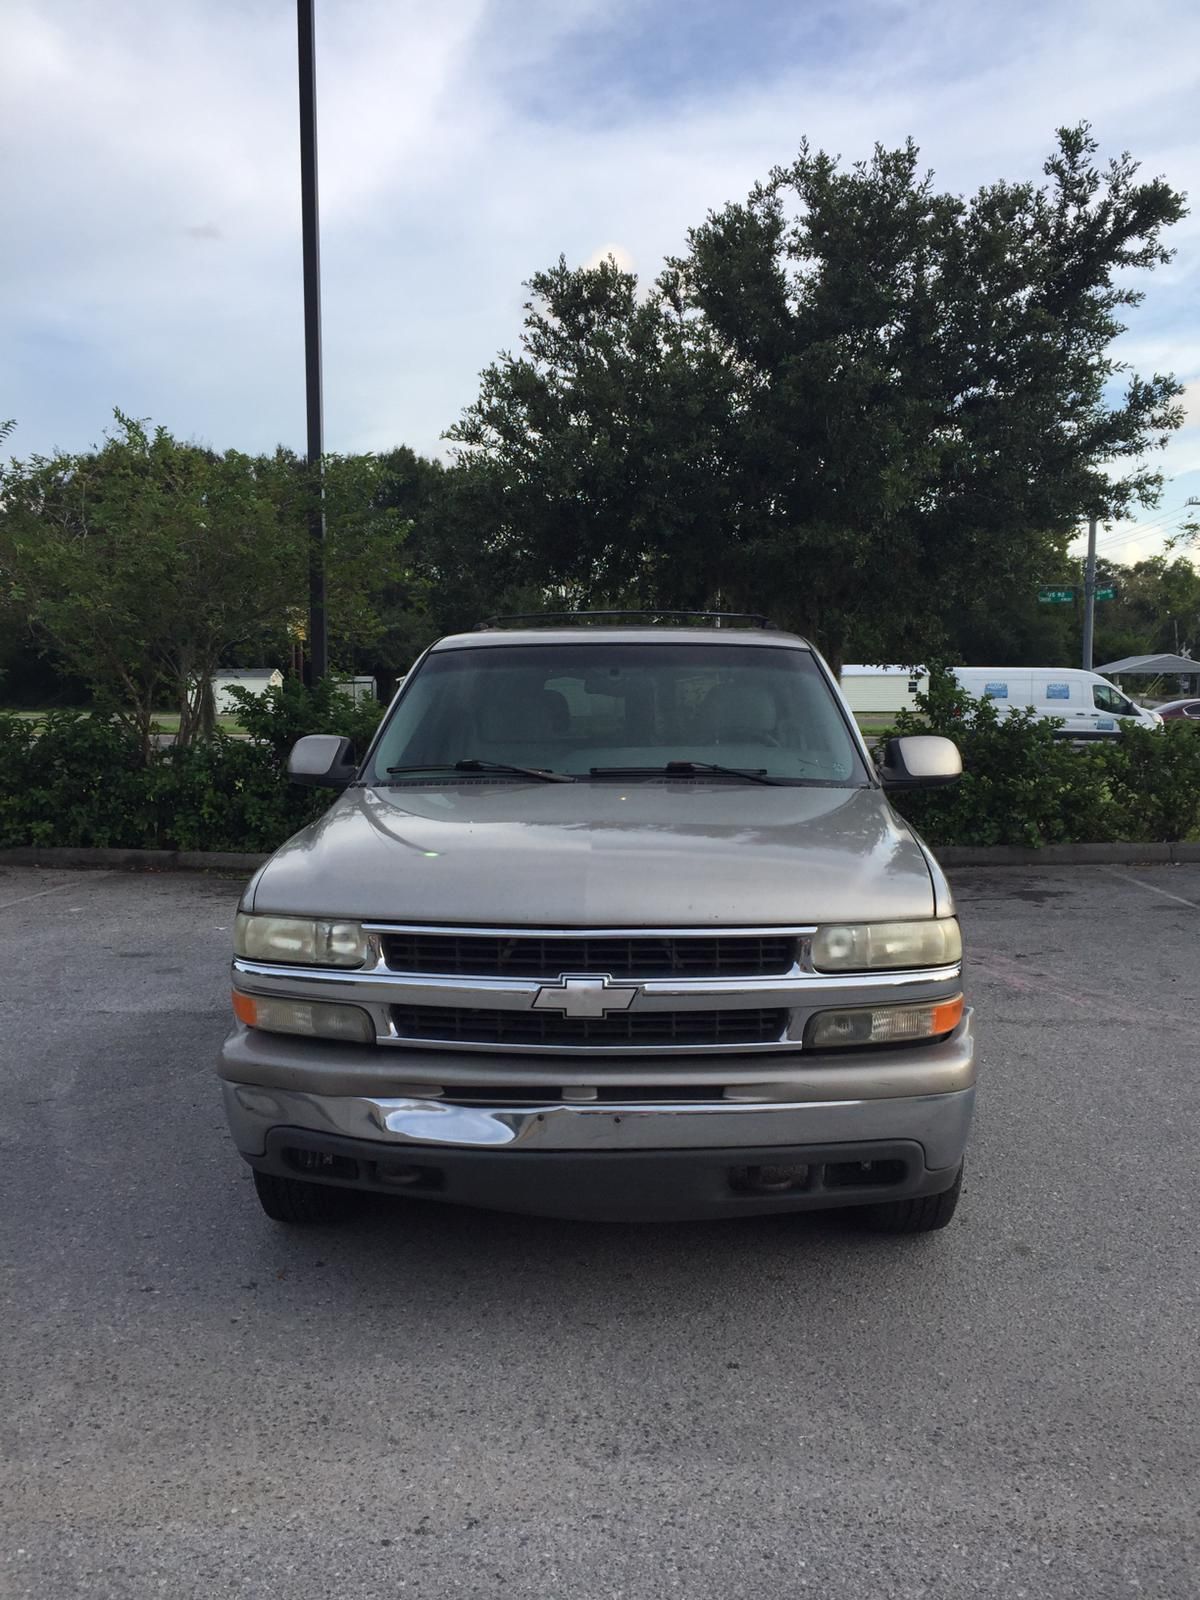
(863,1127)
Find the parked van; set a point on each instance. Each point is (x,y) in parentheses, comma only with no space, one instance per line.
(883,689)
(1090,706)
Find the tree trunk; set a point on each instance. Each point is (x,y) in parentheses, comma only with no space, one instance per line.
(207,712)
(184,700)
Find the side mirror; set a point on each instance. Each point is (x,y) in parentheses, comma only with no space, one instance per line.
(920,761)
(322,761)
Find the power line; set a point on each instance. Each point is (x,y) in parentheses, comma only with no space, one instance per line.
(1163,525)
(1160,531)
(1149,527)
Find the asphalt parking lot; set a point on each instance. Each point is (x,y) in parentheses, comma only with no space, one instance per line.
(195,1402)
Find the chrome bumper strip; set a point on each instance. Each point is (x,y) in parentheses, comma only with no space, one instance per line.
(939,1122)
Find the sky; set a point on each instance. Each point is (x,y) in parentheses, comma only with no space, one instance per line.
(149,243)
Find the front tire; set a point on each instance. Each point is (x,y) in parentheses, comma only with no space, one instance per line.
(924,1214)
(303,1204)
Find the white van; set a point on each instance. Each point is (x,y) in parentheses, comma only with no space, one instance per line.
(883,689)
(1090,706)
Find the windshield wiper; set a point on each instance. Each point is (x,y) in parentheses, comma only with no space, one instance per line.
(686,769)
(473,764)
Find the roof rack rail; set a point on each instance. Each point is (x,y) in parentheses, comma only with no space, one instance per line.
(754,619)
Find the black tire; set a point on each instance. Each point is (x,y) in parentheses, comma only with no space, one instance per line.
(925,1214)
(303,1204)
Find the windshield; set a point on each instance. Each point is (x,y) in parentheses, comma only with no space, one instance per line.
(582,708)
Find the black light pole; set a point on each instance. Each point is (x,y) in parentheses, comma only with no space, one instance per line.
(318,638)
(1089,596)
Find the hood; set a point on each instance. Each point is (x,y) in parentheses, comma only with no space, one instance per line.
(602,855)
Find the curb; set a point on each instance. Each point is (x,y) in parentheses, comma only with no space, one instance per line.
(133,860)
(1064,855)
(950,855)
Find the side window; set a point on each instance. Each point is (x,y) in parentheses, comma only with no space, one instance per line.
(1193,712)
(1107,699)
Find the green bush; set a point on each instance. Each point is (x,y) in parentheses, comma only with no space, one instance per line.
(73,779)
(281,716)
(1023,785)
(1153,781)
(81,781)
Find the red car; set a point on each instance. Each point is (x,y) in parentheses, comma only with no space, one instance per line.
(1174,709)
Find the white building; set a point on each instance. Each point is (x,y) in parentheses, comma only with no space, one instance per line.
(361,690)
(256,679)
(883,689)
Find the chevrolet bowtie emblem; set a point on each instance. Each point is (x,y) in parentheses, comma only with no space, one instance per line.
(585,996)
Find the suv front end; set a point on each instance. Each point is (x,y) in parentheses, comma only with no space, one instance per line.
(641,993)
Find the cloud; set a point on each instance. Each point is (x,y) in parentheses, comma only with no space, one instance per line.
(462,148)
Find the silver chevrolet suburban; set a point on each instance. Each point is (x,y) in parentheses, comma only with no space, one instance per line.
(609,921)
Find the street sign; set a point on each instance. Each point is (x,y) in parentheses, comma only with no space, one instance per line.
(1109,592)
(1056,597)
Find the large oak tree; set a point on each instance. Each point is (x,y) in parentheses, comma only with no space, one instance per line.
(856,402)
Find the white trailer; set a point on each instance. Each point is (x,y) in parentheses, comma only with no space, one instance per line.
(883,689)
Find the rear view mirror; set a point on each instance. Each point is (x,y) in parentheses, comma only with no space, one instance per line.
(920,761)
(322,761)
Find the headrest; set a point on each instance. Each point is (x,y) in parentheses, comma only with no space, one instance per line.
(738,710)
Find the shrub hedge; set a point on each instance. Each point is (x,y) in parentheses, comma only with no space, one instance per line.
(1023,785)
(80,780)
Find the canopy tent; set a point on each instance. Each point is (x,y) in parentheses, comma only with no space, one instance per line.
(1151,666)
(1181,668)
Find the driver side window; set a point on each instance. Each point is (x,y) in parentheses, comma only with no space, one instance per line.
(1107,699)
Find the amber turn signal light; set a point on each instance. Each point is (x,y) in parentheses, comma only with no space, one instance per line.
(244,1008)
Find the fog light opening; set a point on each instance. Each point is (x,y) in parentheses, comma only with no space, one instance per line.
(769,1180)
(405,1175)
(865,1174)
(321,1164)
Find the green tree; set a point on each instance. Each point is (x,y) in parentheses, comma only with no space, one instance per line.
(401,491)
(600,456)
(855,402)
(1157,610)
(146,562)
(368,560)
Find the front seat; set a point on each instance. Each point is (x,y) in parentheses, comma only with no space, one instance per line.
(555,712)
(517,721)
(736,713)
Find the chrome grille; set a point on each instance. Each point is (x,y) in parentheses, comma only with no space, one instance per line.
(751,1025)
(544,956)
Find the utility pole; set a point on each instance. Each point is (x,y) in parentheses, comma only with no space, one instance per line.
(1089,596)
(318,636)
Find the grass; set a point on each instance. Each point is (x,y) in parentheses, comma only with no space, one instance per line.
(168,722)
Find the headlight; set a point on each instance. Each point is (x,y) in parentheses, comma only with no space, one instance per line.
(870,946)
(865,1025)
(299,940)
(314,1019)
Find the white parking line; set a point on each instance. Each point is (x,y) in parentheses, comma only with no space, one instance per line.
(1153,888)
(59,888)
